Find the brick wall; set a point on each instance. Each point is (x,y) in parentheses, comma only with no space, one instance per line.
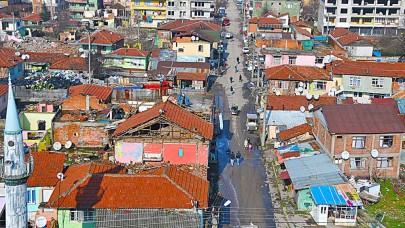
(82,134)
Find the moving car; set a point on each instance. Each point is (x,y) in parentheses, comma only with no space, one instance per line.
(245,50)
(225,21)
(228,35)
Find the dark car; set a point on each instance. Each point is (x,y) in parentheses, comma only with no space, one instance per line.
(235,110)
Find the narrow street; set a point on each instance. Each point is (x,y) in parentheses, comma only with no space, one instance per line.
(243,185)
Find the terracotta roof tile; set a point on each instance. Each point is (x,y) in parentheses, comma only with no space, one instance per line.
(45,57)
(285,44)
(296,73)
(130,52)
(71,63)
(293,103)
(182,25)
(3,89)
(381,69)
(301,24)
(172,113)
(192,76)
(101,92)
(46,166)
(78,102)
(265,20)
(302,31)
(104,37)
(8,57)
(82,189)
(345,37)
(363,119)
(32,17)
(294,132)
(164,67)
(339,32)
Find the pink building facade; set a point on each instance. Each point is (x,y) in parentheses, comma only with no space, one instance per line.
(292,57)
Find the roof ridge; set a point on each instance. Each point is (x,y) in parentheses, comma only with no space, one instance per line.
(175,184)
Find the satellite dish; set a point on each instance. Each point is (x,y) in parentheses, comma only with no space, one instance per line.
(300,89)
(278,92)
(345,155)
(310,106)
(81,50)
(274,90)
(197,38)
(263,46)
(17,53)
(316,96)
(374,153)
(302,109)
(309,96)
(192,38)
(59,176)
(57,146)
(263,35)
(68,144)
(301,84)
(40,221)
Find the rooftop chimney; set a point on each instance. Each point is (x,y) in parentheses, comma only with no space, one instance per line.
(87,102)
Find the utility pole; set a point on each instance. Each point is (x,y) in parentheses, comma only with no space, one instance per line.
(14,25)
(253,62)
(263,138)
(88,33)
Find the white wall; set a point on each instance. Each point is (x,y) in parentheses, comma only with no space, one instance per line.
(360,51)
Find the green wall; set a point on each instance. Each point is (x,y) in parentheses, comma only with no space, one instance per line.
(29,120)
(64,221)
(126,62)
(304,202)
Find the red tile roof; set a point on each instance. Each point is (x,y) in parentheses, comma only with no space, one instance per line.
(3,89)
(8,57)
(285,44)
(294,132)
(101,92)
(46,166)
(302,31)
(182,25)
(363,119)
(71,63)
(339,32)
(32,17)
(45,57)
(192,76)
(103,37)
(82,189)
(345,37)
(381,69)
(293,103)
(296,73)
(130,52)
(173,114)
(265,20)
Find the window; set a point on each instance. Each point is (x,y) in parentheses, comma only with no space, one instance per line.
(199,4)
(292,60)
(338,161)
(386,141)
(198,13)
(282,85)
(319,60)
(170,12)
(85,215)
(345,1)
(170,3)
(200,48)
(359,142)
(342,19)
(323,210)
(180,50)
(343,10)
(91,4)
(182,3)
(277,61)
(41,125)
(377,82)
(357,94)
(354,81)
(384,162)
(320,86)
(357,163)
(31,197)
(401,82)
(339,137)
(181,152)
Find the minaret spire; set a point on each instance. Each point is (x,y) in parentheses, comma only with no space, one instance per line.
(14,170)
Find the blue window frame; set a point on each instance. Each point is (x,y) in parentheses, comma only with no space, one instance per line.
(31,197)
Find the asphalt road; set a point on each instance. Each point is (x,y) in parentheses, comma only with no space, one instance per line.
(243,185)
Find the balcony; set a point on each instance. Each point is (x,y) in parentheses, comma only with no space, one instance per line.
(153,6)
(77,8)
(155,157)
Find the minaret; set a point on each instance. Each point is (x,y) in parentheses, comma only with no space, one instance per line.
(14,170)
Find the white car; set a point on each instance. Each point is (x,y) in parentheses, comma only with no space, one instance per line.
(245,50)
(228,35)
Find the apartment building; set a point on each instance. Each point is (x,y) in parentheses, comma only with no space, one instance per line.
(365,17)
(190,9)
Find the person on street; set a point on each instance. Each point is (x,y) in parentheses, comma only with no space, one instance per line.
(231,79)
(248,139)
(236,69)
(232,158)
(231,90)
(246,144)
(240,78)
(237,60)
(238,156)
(250,148)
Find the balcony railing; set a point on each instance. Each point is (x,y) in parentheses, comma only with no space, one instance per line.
(153,157)
(13,179)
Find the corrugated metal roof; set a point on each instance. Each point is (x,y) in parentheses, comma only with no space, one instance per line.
(288,118)
(326,195)
(313,171)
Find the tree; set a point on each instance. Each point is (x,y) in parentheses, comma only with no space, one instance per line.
(45,14)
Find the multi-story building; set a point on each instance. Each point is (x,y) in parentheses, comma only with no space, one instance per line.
(366,17)
(149,13)
(77,7)
(292,7)
(189,9)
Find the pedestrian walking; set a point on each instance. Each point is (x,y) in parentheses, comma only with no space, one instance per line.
(231,79)
(237,60)
(240,78)
(248,139)
(236,69)
(238,156)
(246,144)
(232,158)
(231,90)
(250,148)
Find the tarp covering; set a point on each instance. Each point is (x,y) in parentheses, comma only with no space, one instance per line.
(326,195)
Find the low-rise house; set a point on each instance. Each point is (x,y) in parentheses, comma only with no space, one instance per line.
(10,64)
(275,57)
(284,43)
(102,93)
(96,195)
(359,79)
(103,18)
(304,36)
(264,24)
(77,64)
(77,7)
(354,44)
(127,60)
(41,183)
(40,61)
(195,46)
(32,25)
(298,80)
(296,134)
(362,139)
(283,17)
(170,69)
(164,133)
(103,42)
(193,81)
(11,25)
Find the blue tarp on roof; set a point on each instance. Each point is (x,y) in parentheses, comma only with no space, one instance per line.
(326,195)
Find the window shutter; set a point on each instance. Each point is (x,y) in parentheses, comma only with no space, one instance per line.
(180,152)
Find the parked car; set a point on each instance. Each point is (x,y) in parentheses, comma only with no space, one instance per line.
(225,21)
(245,50)
(228,35)
(235,110)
